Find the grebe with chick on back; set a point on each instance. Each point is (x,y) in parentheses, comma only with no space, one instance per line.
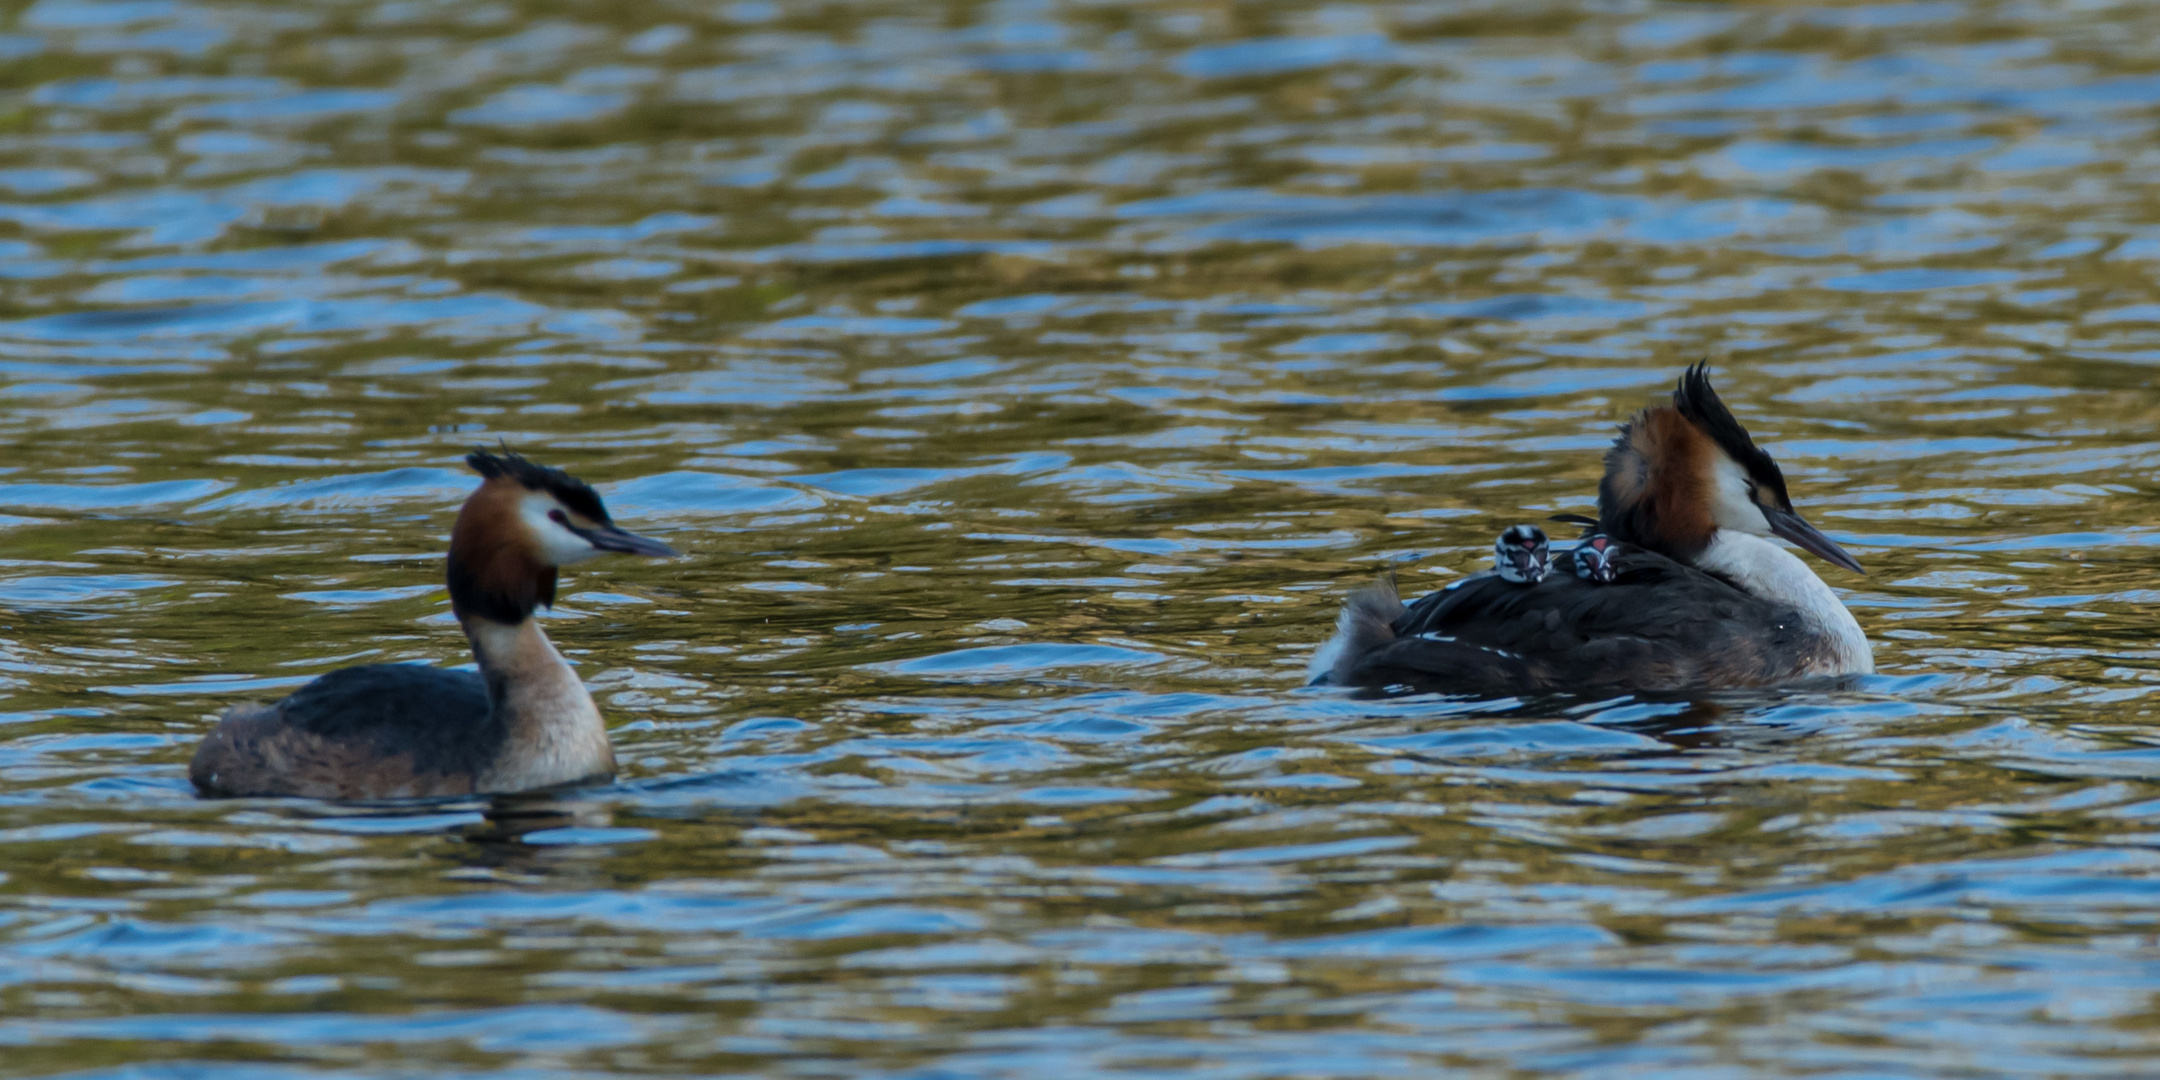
(523,722)
(1681,588)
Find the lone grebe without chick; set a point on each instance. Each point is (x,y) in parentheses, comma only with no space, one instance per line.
(385,731)
(1701,598)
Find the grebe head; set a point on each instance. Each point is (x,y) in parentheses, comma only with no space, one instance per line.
(560,515)
(1597,558)
(1679,473)
(522,523)
(1521,555)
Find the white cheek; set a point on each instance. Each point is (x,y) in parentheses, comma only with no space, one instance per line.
(558,545)
(1733,509)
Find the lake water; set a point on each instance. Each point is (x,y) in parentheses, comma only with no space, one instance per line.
(1026,382)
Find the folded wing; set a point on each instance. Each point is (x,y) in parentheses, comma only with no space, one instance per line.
(1661,625)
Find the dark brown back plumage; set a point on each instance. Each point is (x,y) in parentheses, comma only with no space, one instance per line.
(1489,636)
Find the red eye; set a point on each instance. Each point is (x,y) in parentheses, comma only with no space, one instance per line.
(559,518)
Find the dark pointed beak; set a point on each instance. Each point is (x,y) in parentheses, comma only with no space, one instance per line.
(1791,526)
(610,538)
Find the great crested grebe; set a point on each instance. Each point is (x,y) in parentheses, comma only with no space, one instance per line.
(1522,555)
(1700,598)
(404,730)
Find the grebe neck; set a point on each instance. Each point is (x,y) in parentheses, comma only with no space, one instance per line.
(1761,568)
(552,730)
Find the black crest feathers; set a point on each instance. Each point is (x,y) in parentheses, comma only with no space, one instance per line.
(575,495)
(1700,405)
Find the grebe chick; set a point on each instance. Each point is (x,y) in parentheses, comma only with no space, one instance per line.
(1703,597)
(1596,558)
(386,731)
(1522,555)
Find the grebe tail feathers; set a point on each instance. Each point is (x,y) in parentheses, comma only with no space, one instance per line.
(1365,624)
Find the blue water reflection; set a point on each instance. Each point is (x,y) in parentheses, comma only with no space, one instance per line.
(1025,384)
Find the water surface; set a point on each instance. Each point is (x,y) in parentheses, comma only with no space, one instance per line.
(1026,382)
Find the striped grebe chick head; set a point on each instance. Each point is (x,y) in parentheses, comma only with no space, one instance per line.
(1679,473)
(1597,558)
(1521,555)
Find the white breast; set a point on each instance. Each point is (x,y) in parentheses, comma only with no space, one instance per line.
(1764,569)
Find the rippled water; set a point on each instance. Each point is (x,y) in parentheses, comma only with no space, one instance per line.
(1027,381)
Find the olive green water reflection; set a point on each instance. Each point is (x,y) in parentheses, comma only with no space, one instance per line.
(1027,382)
